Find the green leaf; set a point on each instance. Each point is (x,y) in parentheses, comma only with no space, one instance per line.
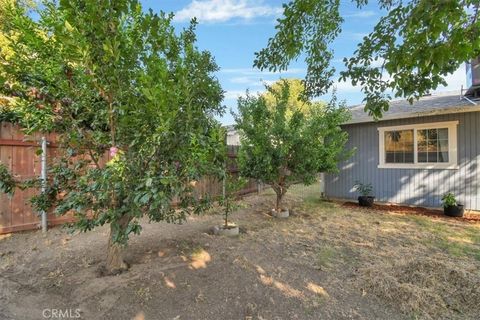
(68,26)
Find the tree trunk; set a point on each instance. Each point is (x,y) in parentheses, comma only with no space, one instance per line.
(115,263)
(279,200)
(226,219)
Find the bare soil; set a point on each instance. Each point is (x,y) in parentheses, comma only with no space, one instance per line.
(326,261)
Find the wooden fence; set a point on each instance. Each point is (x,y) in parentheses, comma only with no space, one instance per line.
(18,153)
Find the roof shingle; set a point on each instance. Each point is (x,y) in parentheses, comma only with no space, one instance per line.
(440,103)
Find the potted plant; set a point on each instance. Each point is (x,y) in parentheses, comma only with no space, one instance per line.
(451,207)
(365,199)
(228,201)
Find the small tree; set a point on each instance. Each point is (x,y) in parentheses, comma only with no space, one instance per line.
(282,144)
(109,77)
(232,185)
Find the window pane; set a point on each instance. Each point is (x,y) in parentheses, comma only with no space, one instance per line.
(390,157)
(422,135)
(443,134)
(432,157)
(443,145)
(422,146)
(399,146)
(399,157)
(409,157)
(443,157)
(422,157)
(432,134)
(432,145)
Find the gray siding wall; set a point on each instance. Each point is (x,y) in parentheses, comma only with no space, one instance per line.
(421,187)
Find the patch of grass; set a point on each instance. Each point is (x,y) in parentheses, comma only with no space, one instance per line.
(311,197)
(457,240)
(315,202)
(423,265)
(428,287)
(326,256)
(268,191)
(464,242)
(458,250)
(304,191)
(428,223)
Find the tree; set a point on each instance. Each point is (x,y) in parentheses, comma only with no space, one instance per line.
(410,50)
(283,144)
(133,103)
(228,201)
(296,99)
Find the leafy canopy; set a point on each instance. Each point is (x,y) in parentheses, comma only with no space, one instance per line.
(296,98)
(284,144)
(410,50)
(133,103)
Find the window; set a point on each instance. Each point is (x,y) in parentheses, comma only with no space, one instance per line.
(399,146)
(429,146)
(432,145)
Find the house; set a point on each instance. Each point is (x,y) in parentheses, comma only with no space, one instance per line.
(415,153)
(233,136)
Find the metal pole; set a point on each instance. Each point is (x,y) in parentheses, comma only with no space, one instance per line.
(322,184)
(43,177)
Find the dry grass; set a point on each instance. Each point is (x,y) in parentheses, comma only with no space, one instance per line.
(326,261)
(428,287)
(428,268)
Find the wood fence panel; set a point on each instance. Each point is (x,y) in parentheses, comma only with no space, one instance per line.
(6,159)
(18,153)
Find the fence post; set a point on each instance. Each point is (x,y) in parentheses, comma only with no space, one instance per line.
(43,178)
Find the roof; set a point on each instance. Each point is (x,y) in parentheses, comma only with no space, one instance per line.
(435,104)
(231,131)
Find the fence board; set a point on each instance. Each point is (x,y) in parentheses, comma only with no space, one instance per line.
(18,153)
(6,159)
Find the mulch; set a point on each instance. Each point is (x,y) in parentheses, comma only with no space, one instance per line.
(420,211)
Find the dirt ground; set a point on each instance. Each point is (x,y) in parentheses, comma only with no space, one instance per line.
(326,261)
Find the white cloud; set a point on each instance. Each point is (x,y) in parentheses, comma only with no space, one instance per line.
(361,14)
(224,10)
(242,80)
(234,94)
(254,78)
(346,86)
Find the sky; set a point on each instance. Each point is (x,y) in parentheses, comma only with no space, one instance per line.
(233,30)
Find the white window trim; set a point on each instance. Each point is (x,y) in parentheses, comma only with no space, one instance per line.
(452,146)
